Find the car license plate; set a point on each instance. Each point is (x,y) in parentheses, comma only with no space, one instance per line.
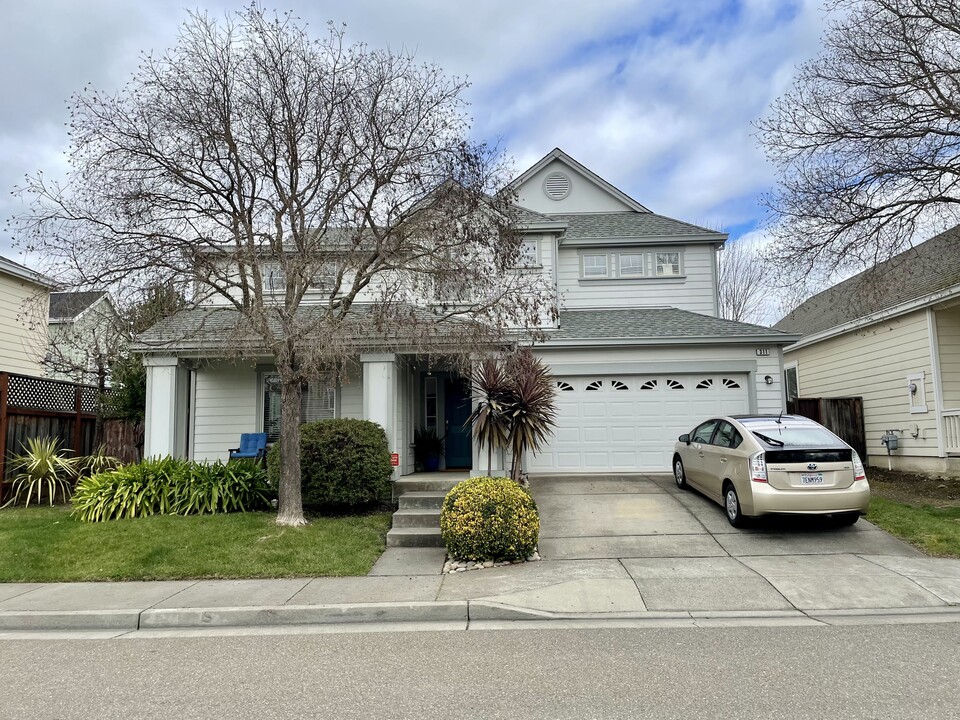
(815,479)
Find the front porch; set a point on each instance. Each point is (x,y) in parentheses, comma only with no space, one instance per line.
(198,407)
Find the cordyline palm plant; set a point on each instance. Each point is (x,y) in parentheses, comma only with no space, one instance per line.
(517,407)
(490,420)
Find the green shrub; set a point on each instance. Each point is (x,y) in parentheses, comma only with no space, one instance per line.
(345,464)
(160,486)
(489,519)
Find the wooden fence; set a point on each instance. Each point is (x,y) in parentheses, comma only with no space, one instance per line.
(33,407)
(842,416)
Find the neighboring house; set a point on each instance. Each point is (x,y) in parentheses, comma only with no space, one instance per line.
(24,297)
(890,335)
(86,334)
(639,352)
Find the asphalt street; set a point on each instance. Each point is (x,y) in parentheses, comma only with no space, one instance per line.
(883,671)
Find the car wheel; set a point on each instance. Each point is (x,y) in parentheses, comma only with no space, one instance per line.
(731,503)
(679,475)
(846,519)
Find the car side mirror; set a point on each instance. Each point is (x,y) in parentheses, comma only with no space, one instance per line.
(685,438)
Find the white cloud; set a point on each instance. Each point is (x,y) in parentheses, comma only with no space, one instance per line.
(655,96)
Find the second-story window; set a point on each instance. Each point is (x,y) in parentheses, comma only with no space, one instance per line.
(595,266)
(273,278)
(668,264)
(631,265)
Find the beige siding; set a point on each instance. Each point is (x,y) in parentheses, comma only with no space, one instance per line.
(694,292)
(23,325)
(584,196)
(225,405)
(948,337)
(873,363)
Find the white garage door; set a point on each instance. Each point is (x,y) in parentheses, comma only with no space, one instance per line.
(630,422)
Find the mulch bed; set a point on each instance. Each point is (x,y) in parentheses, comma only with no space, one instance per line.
(913,488)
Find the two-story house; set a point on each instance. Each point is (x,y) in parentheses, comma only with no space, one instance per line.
(639,352)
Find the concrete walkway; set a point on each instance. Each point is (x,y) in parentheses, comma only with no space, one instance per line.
(627,548)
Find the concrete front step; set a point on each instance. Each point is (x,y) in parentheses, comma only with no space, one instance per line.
(425,484)
(417,518)
(414,537)
(422,499)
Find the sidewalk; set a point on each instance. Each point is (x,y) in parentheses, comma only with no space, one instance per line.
(789,588)
(621,548)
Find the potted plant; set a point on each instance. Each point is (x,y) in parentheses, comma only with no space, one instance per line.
(427,449)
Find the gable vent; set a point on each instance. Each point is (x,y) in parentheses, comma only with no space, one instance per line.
(556,186)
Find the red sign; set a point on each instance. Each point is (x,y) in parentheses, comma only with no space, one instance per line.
(395,459)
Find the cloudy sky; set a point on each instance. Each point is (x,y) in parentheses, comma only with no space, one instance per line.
(656,96)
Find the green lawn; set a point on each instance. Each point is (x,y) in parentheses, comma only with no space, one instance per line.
(47,545)
(935,530)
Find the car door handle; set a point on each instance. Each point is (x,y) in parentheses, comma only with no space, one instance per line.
(701,454)
(723,460)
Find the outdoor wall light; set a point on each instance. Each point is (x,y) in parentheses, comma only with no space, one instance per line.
(913,388)
(768,379)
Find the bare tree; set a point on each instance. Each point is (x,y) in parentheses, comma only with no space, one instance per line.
(309,199)
(743,284)
(866,141)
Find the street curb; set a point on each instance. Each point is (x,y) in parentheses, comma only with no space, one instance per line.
(69,620)
(357,613)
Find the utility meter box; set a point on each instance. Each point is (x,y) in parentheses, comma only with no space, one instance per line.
(891,441)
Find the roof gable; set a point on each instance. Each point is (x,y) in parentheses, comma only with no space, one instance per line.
(928,269)
(559,184)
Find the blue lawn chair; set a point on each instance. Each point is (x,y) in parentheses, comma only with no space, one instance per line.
(252,445)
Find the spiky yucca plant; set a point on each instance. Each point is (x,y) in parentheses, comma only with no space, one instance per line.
(42,469)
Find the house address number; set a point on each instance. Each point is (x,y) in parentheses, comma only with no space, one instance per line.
(763,352)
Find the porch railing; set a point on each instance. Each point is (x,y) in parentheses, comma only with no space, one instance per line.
(951,430)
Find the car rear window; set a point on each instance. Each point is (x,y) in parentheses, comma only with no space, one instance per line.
(795,436)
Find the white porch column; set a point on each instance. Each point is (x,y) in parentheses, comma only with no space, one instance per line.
(165,426)
(380,396)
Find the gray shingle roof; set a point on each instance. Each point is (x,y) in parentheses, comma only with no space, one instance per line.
(928,268)
(628,225)
(653,323)
(67,305)
(526,215)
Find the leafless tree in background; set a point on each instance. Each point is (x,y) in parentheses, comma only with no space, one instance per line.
(743,283)
(253,166)
(867,141)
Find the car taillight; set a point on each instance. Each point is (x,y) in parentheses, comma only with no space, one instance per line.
(858,472)
(758,468)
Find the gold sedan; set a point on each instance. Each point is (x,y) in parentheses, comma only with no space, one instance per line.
(762,464)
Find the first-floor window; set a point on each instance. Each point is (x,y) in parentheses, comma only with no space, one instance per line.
(318,401)
(791,385)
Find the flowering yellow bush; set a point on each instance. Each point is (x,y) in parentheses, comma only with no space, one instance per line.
(487,518)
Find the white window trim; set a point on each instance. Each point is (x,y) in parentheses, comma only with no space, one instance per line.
(583,266)
(795,366)
(656,264)
(537,259)
(614,264)
(643,264)
(918,400)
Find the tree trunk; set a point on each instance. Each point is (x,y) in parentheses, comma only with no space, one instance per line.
(489,459)
(290,503)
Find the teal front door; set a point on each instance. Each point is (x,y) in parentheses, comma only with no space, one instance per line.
(459,449)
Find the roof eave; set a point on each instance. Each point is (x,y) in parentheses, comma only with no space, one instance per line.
(773,339)
(713,239)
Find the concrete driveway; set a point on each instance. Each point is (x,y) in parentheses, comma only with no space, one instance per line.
(636,544)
